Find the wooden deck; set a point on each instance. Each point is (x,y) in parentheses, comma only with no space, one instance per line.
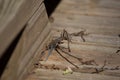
(101,20)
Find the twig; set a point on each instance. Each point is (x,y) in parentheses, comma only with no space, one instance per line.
(101,69)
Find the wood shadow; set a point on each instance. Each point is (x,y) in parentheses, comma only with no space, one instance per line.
(8,52)
(51,6)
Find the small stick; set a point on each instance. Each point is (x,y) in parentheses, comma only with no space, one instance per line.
(101,69)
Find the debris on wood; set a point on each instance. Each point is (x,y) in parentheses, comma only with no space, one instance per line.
(68,71)
(89,66)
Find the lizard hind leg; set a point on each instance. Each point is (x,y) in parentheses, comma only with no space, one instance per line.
(49,53)
(66,58)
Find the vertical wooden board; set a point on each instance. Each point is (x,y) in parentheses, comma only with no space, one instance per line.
(34,29)
(35,52)
(27,45)
(13,16)
(36,57)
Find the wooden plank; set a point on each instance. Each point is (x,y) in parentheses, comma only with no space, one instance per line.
(92,38)
(100,19)
(91,52)
(89,28)
(95,12)
(34,34)
(90,8)
(94,20)
(41,74)
(40,42)
(13,17)
(108,4)
(87,22)
(86,52)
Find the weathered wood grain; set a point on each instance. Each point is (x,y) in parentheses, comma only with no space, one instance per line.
(97,53)
(107,4)
(13,17)
(80,15)
(101,20)
(33,37)
(57,75)
(91,8)
(102,30)
(92,37)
